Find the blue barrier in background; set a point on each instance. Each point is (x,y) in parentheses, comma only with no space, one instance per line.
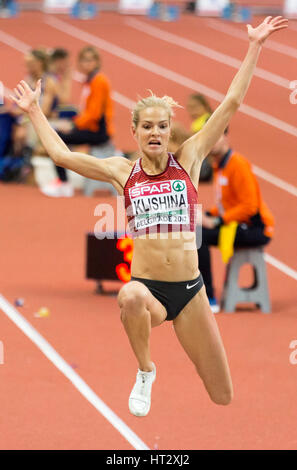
(237,13)
(163,12)
(8,9)
(84,11)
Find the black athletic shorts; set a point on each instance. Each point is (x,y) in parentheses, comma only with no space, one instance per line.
(173,295)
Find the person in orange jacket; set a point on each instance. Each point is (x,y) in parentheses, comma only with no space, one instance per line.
(238,199)
(94,124)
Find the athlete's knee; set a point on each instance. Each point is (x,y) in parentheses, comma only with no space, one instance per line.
(131,298)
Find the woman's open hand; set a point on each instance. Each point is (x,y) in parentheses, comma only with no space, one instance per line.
(267,27)
(25,97)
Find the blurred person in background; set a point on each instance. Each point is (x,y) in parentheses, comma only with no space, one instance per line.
(238,199)
(94,123)
(36,63)
(60,68)
(199,111)
(16,129)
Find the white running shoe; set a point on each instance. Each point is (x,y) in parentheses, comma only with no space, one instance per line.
(140,397)
(58,188)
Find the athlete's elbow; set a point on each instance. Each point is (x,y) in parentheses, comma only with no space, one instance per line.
(234,101)
(58,156)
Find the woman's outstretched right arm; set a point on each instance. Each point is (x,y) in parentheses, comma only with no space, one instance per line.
(85,165)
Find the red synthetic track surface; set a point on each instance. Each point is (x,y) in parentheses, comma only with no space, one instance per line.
(43,260)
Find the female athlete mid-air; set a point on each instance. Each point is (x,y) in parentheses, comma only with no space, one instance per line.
(160,191)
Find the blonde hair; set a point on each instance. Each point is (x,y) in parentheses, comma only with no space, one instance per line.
(165,102)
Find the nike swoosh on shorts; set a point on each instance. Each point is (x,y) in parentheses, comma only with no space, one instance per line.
(190,287)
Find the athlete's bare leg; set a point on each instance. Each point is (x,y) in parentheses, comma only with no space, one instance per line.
(140,311)
(198,333)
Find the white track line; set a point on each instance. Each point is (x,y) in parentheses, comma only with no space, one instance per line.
(123,100)
(164,72)
(265,175)
(237,33)
(14,42)
(280,266)
(205,51)
(71,375)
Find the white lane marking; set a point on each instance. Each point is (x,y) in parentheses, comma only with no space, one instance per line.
(240,34)
(14,43)
(265,175)
(205,51)
(237,33)
(166,73)
(71,375)
(123,100)
(280,266)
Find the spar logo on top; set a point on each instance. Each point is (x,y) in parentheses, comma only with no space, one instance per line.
(157,188)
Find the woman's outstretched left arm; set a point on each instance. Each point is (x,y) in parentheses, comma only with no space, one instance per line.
(200,144)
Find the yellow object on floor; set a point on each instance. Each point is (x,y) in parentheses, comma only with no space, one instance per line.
(226,240)
(42,312)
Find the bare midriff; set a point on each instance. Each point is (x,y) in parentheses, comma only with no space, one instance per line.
(165,257)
